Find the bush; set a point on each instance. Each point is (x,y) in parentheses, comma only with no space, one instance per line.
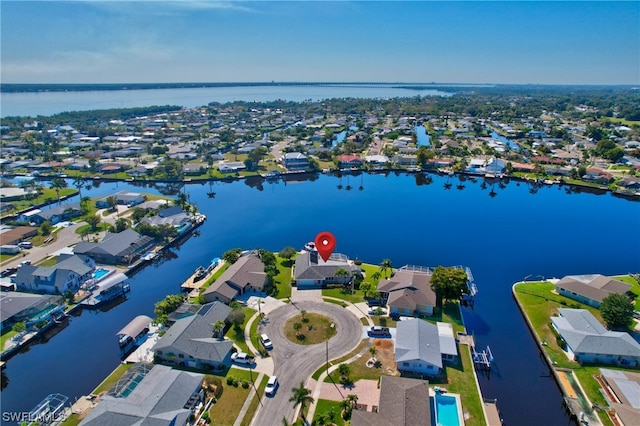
(245,384)
(230,380)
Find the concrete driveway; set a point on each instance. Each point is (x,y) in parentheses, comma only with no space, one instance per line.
(296,363)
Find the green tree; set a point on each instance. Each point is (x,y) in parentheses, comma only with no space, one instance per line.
(231,256)
(386,266)
(19,327)
(121,224)
(138,213)
(112,202)
(344,370)
(617,310)
(302,397)
(218,327)
(236,317)
(365,287)
(287,253)
(45,228)
(373,351)
(58,184)
(93,221)
(449,283)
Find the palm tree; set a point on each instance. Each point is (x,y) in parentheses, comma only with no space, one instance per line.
(79,184)
(302,397)
(344,370)
(303,313)
(373,351)
(58,184)
(218,326)
(386,266)
(375,276)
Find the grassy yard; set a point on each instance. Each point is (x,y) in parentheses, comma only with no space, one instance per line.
(340,293)
(237,334)
(540,304)
(87,228)
(48,196)
(6,257)
(315,328)
(7,334)
(226,410)
(326,406)
(364,343)
(255,401)
(112,379)
(282,281)
(460,379)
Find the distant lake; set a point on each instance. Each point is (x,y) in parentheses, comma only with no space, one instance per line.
(521,231)
(49,103)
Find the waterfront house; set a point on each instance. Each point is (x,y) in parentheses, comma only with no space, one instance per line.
(588,341)
(349,160)
(246,274)
(116,248)
(590,289)
(622,389)
(482,166)
(295,161)
(408,292)
(403,401)
(231,167)
(17,306)
(53,215)
(149,395)
(124,197)
(69,273)
(422,347)
(190,341)
(173,216)
(311,271)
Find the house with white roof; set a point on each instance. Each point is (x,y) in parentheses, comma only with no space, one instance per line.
(423,347)
(295,161)
(588,341)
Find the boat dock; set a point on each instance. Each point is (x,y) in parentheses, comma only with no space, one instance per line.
(199,278)
(482,360)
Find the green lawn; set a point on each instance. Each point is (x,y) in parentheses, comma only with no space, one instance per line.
(257,399)
(84,228)
(282,281)
(237,334)
(325,406)
(460,379)
(48,196)
(315,328)
(226,409)
(540,304)
(49,261)
(340,293)
(4,257)
(364,343)
(112,379)
(7,334)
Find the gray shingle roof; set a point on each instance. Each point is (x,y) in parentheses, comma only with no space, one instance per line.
(594,287)
(193,335)
(403,402)
(408,288)
(247,271)
(418,340)
(159,399)
(114,244)
(584,334)
(311,267)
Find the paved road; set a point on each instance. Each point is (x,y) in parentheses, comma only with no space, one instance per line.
(295,363)
(65,237)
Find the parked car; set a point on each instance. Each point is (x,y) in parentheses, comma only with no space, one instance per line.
(25,262)
(272,385)
(266,342)
(377,310)
(242,358)
(377,330)
(25,245)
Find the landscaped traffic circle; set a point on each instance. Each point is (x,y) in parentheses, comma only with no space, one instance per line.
(309,328)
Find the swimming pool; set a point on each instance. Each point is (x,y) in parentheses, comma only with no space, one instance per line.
(447,410)
(100,273)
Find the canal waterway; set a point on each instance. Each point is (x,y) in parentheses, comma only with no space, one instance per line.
(504,233)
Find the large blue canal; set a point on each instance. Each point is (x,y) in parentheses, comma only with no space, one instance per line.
(503,233)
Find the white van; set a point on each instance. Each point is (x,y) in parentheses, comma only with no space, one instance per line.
(266,341)
(25,245)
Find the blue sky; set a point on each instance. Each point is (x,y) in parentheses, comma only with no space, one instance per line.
(566,42)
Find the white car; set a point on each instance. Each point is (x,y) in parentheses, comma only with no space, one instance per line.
(272,385)
(266,341)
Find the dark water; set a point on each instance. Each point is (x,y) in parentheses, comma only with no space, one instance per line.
(410,220)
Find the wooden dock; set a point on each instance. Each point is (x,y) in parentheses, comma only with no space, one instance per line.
(191,284)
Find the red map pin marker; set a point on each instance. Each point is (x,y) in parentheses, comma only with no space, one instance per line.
(325,243)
